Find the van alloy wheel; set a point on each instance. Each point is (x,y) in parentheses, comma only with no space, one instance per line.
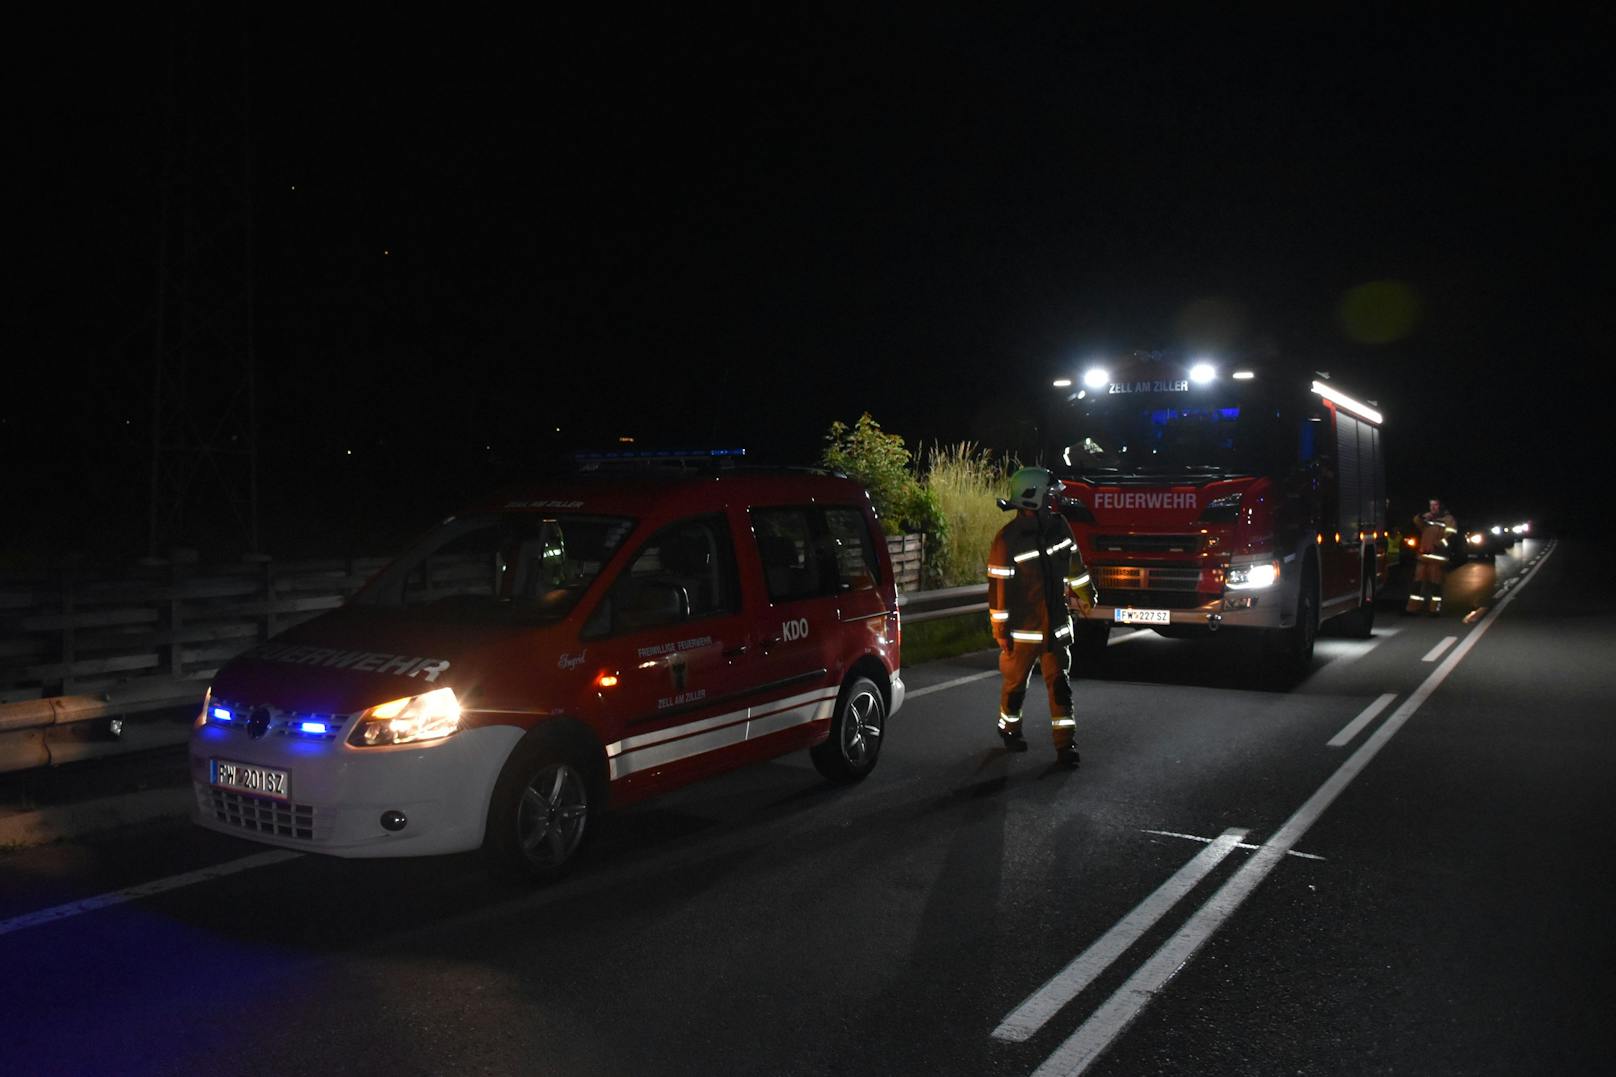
(552,815)
(856,732)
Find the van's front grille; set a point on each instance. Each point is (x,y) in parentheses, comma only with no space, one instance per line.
(259,815)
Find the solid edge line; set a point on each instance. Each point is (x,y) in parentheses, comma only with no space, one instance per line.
(1027,1018)
(143,890)
(916,693)
(1354,727)
(1102,1028)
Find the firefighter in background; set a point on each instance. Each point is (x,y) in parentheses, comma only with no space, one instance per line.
(1433,526)
(1034,568)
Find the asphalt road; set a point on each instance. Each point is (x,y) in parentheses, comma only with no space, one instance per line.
(1238,880)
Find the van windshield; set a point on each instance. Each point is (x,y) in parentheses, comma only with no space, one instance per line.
(503,567)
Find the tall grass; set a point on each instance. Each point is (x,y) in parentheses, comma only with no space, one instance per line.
(966,479)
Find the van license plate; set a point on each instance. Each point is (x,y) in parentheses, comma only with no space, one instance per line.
(260,781)
(1143,617)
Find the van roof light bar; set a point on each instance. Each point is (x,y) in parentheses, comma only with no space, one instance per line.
(1342,400)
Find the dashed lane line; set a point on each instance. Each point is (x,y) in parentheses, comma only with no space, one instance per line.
(1354,727)
(1436,652)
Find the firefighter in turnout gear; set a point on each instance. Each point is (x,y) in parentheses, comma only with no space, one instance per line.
(1033,567)
(1434,525)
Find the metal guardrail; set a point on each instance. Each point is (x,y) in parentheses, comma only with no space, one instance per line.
(71,728)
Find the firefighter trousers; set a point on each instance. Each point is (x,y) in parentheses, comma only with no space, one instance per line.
(1425,592)
(1015,669)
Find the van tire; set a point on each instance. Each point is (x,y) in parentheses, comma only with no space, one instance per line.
(856,730)
(542,811)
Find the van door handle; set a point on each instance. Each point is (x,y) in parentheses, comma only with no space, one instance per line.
(735,652)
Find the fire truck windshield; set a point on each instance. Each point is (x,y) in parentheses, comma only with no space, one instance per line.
(1167,434)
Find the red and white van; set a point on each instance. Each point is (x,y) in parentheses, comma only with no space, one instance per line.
(550,653)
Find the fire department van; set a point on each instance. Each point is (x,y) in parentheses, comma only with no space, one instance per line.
(548,654)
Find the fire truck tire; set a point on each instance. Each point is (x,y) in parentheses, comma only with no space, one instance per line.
(541,811)
(1360,623)
(856,729)
(1290,650)
(1088,647)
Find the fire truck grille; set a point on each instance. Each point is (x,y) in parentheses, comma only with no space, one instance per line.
(260,815)
(1155,600)
(1146,578)
(1179,544)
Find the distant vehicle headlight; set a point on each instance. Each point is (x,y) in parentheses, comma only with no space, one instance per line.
(411,720)
(1475,538)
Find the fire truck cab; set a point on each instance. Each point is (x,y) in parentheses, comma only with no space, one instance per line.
(1208,498)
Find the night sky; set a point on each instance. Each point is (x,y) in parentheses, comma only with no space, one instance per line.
(475,230)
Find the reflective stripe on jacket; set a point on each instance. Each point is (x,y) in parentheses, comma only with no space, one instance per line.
(1025,604)
(1434,532)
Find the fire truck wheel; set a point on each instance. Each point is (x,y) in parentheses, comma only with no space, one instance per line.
(1290,650)
(540,812)
(1360,623)
(1088,648)
(856,729)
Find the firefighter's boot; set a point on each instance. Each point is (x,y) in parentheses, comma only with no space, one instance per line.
(1067,757)
(1010,733)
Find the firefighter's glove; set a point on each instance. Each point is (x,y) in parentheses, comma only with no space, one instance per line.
(1007,645)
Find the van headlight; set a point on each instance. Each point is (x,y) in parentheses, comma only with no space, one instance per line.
(1251,577)
(411,720)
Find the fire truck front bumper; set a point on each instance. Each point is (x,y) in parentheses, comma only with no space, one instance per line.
(1236,610)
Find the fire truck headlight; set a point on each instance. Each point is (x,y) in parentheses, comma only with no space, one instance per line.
(1201,373)
(1251,577)
(1096,378)
(411,720)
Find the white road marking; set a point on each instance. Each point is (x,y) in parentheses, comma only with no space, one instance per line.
(955,683)
(1242,845)
(1436,652)
(916,693)
(144,890)
(1038,1007)
(1354,727)
(1102,1028)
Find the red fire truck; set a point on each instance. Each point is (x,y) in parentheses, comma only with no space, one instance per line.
(1208,499)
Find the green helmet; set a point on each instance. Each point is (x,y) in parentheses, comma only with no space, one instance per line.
(1029,488)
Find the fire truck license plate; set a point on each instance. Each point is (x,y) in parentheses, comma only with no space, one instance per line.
(1143,617)
(261,781)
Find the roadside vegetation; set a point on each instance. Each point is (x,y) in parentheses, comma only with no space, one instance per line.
(949,496)
(966,479)
(886,467)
